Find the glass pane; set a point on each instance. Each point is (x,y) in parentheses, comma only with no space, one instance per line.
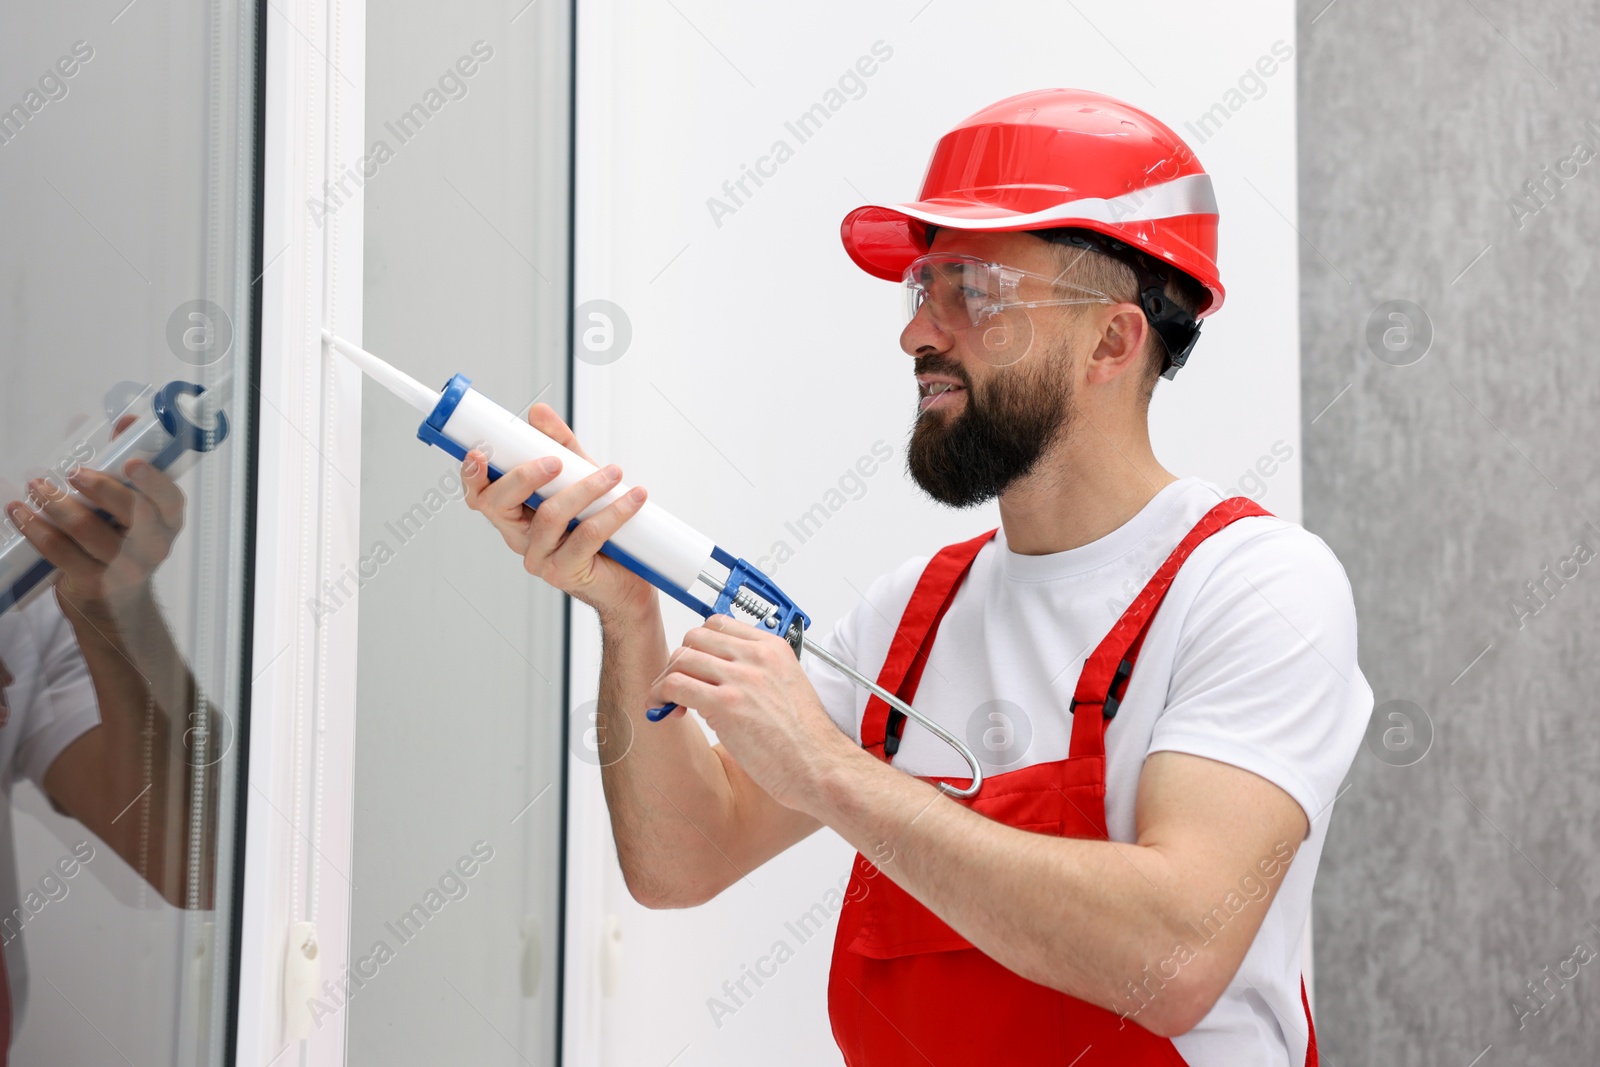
(457,866)
(127,140)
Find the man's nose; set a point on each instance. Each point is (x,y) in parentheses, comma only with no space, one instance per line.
(923,336)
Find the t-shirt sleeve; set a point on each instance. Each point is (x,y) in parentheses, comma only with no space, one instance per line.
(1265,676)
(62,706)
(837,692)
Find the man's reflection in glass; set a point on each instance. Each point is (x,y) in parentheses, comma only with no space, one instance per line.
(97,706)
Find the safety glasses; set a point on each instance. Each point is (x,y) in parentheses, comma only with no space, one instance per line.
(961,292)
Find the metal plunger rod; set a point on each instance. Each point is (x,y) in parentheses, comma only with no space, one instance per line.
(909,712)
(889,698)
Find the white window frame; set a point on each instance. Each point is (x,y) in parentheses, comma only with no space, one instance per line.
(592,960)
(302,698)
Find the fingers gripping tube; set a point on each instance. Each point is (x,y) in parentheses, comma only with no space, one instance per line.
(752,592)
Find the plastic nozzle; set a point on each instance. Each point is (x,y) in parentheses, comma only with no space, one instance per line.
(396,381)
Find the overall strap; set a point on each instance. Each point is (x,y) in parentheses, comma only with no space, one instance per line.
(881,725)
(1104,680)
(1311,1027)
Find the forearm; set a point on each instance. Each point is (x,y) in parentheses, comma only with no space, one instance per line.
(134,716)
(670,801)
(1085,917)
(132,788)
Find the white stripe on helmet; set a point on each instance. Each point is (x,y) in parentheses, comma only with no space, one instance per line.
(1189,195)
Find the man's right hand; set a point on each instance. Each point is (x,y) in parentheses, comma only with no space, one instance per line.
(569,561)
(719,822)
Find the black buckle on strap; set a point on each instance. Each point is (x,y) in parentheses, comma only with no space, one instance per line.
(892,731)
(1112,702)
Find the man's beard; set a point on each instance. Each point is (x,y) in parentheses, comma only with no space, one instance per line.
(967,458)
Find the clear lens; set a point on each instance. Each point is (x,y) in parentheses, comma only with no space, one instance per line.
(959,290)
(963,291)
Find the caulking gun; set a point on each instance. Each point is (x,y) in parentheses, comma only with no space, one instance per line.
(654,544)
(142,422)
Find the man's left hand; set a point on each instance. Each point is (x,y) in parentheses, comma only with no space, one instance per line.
(752,691)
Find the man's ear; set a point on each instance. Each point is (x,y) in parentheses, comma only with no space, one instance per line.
(1120,346)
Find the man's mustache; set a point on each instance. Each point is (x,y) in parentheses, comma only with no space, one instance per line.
(939,365)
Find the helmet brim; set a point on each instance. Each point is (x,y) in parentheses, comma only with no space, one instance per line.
(883,239)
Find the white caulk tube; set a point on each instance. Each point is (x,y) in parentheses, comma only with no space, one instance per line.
(460,418)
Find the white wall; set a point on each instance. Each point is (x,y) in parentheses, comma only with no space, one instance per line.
(763,364)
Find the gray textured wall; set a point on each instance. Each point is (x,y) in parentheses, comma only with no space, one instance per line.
(1453,880)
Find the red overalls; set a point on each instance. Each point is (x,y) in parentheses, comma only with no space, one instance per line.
(907,989)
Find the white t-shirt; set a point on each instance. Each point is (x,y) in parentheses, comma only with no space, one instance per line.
(1250,661)
(50,703)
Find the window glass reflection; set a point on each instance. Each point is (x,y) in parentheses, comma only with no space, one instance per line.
(126,139)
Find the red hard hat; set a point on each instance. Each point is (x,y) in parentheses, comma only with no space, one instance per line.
(1049,158)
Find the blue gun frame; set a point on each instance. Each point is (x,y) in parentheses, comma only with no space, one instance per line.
(742,575)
